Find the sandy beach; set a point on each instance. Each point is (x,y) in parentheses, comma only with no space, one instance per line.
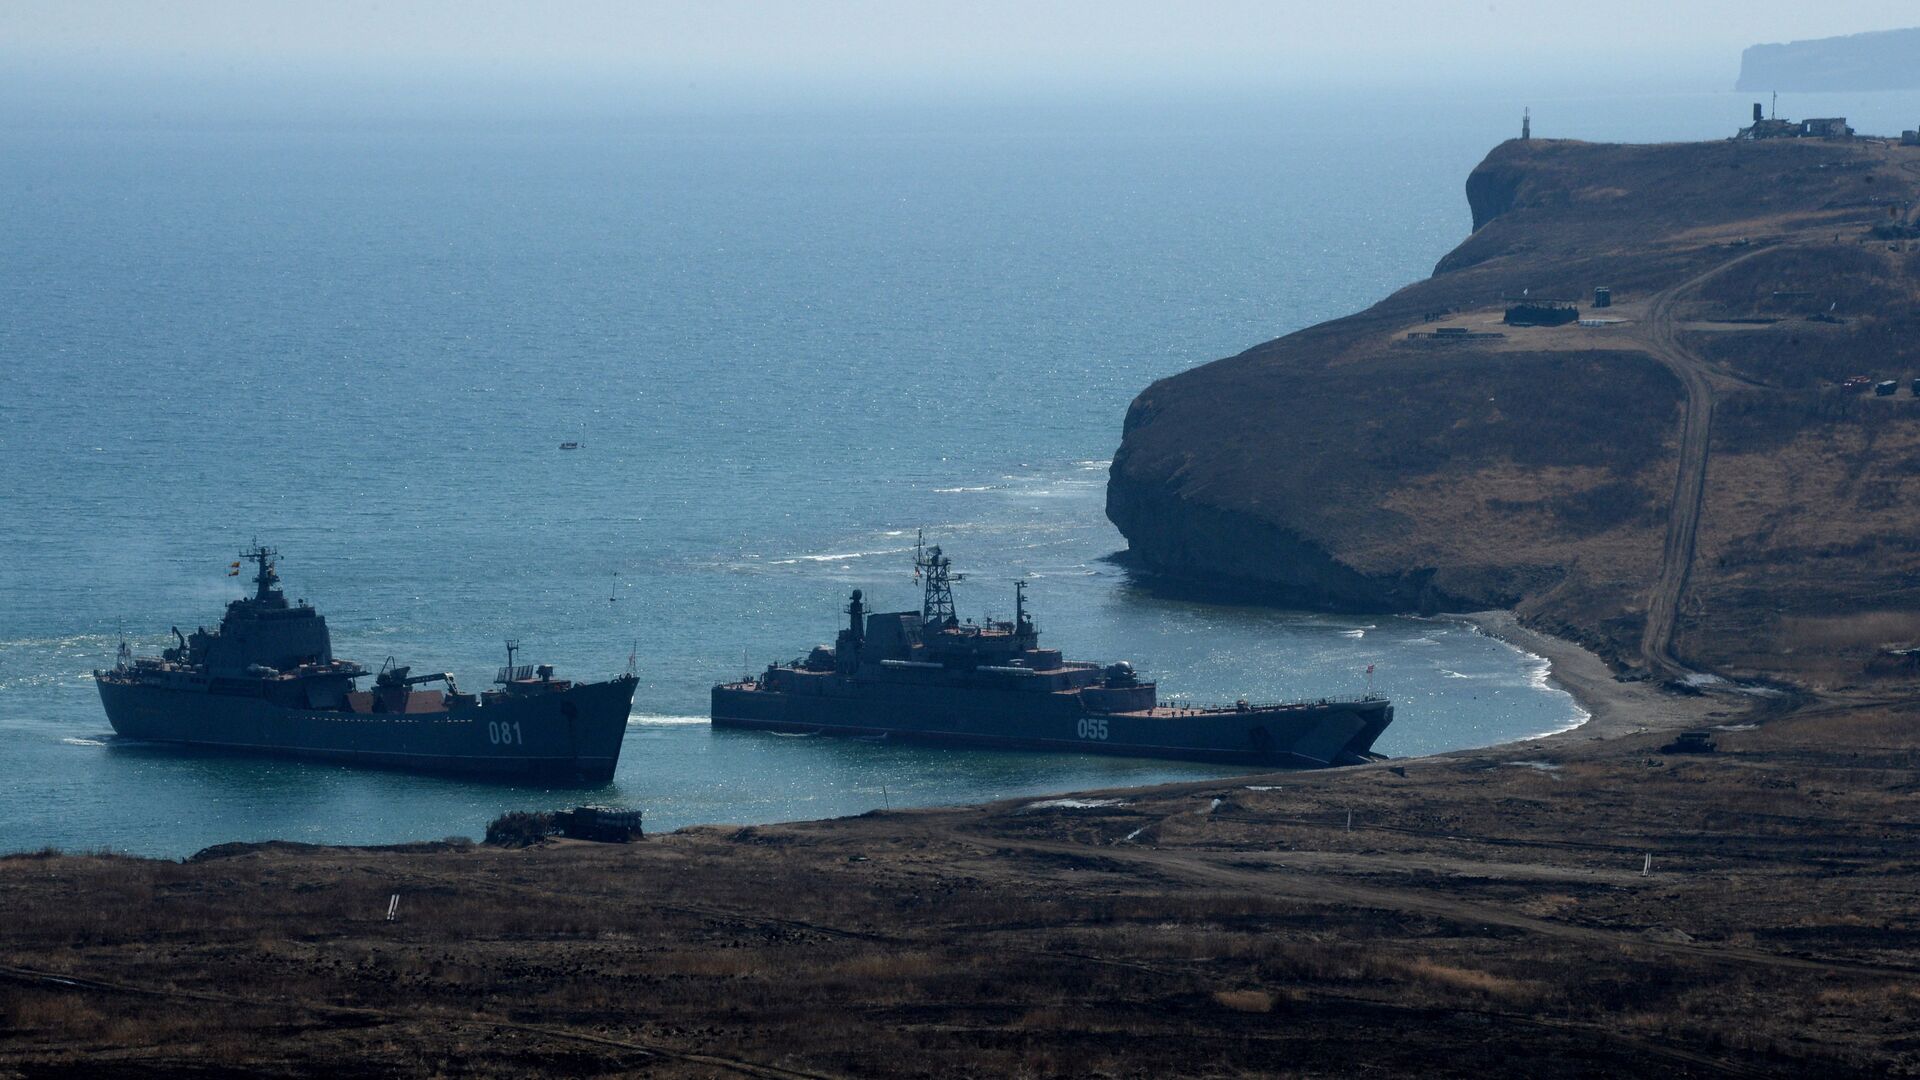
(1614,708)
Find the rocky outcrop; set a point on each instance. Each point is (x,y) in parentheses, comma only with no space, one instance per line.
(1882,60)
(1208,549)
(1492,190)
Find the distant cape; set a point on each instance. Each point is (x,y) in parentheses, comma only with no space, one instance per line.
(1882,60)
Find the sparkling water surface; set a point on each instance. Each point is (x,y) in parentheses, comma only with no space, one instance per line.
(786,345)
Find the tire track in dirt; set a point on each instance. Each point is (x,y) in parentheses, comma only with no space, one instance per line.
(1660,333)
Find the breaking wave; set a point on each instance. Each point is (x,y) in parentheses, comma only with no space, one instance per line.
(842,556)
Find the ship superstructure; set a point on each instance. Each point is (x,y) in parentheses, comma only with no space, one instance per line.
(267,682)
(926,675)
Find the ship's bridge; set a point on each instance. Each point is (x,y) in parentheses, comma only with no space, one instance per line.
(262,630)
(282,639)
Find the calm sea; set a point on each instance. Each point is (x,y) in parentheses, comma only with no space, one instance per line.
(786,344)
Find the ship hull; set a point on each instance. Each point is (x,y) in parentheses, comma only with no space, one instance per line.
(570,736)
(1305,735)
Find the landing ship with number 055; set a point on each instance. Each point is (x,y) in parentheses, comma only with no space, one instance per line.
(267,682)
(926,676)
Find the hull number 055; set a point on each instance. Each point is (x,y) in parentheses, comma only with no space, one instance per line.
(504,733)
(1093,727)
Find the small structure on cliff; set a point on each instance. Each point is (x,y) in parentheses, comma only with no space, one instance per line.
(1532,311)
(1766,127)
(1452,335)
(1690,742)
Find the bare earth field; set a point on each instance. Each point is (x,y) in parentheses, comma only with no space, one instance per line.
(1487,913)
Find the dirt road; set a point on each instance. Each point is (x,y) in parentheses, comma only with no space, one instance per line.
(1661,336)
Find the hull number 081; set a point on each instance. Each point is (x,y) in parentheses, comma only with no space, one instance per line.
(504,733)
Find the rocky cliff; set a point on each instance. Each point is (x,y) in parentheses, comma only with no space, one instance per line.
(1882,60)
(1361,464)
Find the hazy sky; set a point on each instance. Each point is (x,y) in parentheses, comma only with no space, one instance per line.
(984,43)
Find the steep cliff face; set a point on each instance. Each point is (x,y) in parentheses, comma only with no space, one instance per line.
(1493,189)
(1881,60)
(1350,466)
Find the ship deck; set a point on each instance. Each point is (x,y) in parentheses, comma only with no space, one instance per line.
(1173,712)
(1158,712)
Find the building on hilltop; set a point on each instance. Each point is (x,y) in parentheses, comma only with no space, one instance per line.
(1765,127)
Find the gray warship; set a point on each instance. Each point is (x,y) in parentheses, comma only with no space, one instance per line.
(267,682)
(926,676)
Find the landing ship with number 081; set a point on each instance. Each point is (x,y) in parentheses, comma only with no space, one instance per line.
(926,676)
(267,682)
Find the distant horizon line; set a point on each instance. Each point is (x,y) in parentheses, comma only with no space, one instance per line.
(1570,73)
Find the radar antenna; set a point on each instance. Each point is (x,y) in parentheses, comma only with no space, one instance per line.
(936,571)
(264,578)
(509,673)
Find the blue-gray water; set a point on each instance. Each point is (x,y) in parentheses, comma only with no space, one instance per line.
(786,345)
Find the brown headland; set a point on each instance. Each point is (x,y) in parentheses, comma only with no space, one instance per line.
(1687,482)
(1684,489)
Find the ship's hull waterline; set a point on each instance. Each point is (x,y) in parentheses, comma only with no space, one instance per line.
(1304,735)
(570,736)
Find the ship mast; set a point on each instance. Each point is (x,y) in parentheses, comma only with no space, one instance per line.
(936,570)
(265,579)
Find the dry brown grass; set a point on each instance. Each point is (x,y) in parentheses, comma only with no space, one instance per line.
(1247,1001)
(49,1012)
(886,967)
(1450,977)
(1904,997)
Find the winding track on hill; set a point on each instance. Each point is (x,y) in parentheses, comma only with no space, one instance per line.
(1660,333)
